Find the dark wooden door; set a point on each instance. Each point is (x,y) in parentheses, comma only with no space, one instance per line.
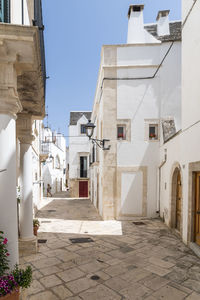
(83,189)
(197,210)
(178,202)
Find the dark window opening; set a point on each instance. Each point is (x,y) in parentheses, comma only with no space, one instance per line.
(153,132)
(121,132)
(83,166)
(136,8)
(83,129)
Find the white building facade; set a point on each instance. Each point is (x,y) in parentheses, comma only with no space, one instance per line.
(138,94)
(180,173)
(22,90)
(79,155)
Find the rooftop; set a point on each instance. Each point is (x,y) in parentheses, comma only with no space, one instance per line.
(76,115)
(175,32)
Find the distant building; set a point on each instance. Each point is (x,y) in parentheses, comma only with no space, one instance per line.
(53,156)
(79,151)
(138,95)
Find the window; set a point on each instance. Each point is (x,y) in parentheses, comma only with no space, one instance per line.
(121,132)
(83,129)
(83,166)
(5,11)
(153,131)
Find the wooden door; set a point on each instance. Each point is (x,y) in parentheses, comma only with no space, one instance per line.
(178,202)
(83,189)
(197,210)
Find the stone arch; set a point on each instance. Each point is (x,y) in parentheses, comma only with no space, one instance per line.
(176,211)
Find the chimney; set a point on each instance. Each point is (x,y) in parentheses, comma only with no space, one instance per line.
(136,33)
(163,23)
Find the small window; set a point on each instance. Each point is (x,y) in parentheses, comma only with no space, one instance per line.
(136,8)
(153,131)
(83,129)
(121,132)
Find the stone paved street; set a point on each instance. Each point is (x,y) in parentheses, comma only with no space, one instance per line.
(131,261)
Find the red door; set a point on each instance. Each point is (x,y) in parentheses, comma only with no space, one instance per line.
(83,189)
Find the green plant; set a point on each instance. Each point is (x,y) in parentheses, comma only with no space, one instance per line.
(3,254)
(36,223)
(23,277)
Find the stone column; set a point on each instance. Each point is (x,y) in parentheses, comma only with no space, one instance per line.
(24,134)
(9,106)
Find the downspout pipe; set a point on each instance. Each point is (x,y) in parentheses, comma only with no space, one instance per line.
(159,182)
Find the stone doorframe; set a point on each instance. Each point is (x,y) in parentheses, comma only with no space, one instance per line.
(174,174)
(192,170)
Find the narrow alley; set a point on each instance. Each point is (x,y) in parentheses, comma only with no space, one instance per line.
(119,260)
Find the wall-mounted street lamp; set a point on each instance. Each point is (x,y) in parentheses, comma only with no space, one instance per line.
(90,130)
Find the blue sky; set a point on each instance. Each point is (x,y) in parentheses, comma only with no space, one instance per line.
(75,30)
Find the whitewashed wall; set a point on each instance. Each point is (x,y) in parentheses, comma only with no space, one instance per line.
(139,100)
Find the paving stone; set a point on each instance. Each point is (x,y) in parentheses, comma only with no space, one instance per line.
(154,282)
(46,262)
(81,284)
(37,274)
(50,270)
(44,296)
(147,262)
(116,283)
(161,263)
(50,281)
(34,257)
(70,274)
(35,287)
(115,270)
(61,291)
(135,275)
(168,291)
(103,276)
(100,292)
(135,291)
(157,270)
(193,296)
(93,266)
(193,285)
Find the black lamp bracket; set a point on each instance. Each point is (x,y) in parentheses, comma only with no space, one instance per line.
(101,143)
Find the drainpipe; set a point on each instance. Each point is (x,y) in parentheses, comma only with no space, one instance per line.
(159,179)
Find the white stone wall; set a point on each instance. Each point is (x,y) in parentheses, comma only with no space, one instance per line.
(183,149)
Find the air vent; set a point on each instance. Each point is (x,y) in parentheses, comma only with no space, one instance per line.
(42,241)
(81,240)
(139,223)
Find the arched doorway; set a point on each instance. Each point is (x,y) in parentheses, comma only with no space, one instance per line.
(176,201)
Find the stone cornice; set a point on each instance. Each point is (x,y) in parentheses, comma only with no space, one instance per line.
(24,128)
(20,46)
(9,101)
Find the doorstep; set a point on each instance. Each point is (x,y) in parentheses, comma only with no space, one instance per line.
(195,248)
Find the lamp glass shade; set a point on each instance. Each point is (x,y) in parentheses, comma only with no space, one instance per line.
(89,129)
